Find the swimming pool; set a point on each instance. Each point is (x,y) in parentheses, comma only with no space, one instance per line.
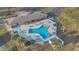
(42,30)
(37,33)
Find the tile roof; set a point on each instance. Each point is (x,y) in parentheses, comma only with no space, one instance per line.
(27,17)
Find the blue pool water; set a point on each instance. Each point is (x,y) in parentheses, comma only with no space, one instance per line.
(42,30)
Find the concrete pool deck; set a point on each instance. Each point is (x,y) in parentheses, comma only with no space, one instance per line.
(38,31)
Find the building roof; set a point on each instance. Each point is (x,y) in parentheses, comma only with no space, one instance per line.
(30,16)
(36,15)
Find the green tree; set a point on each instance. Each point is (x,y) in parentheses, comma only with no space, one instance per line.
(69,18)
(56,44)
(14,48)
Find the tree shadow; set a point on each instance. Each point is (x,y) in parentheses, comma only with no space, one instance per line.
(50,14)
(69,38)
(4,38)
(76,39)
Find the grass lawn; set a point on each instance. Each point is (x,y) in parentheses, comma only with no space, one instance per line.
(2,30)
(56,44)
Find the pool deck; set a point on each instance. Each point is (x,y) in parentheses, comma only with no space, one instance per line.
(35,36)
